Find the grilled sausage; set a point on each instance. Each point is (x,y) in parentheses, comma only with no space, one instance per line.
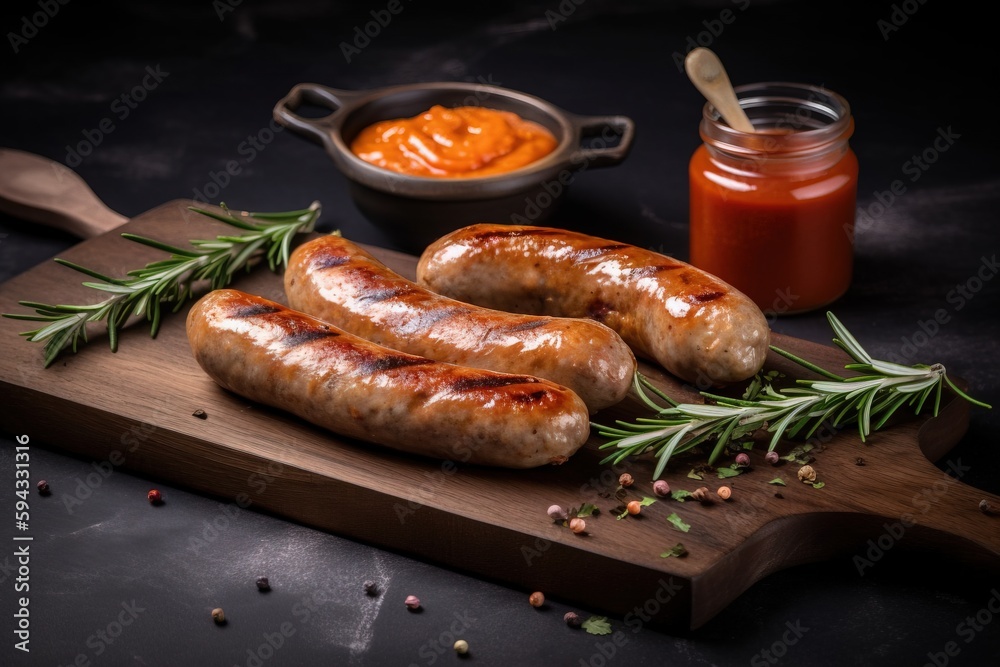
(339,282)
(696,326)
(289,360)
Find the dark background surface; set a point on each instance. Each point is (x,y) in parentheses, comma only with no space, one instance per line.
(226,71)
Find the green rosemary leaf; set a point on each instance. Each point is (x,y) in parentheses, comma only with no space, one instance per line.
(144,291)
(961,393)
(806,364)
(153,243)
(89,272)
(844,339)
(868,399)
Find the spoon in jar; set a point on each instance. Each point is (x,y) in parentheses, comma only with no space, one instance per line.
(709,76)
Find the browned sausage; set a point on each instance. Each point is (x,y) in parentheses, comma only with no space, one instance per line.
(280,357)
(339,282)
(696,326)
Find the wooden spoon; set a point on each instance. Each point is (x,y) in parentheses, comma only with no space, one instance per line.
(41,190)
(709,76)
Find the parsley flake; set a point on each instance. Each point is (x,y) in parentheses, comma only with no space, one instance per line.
(597,625)
(676,551)
(678,523)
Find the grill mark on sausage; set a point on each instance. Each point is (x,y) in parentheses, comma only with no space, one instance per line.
(252,309)
(431,317)
(645,271)
(370,363)
(491,382)
(379,294)
(584,254)
(515,233)
(306,336)
(328,260)
(521,326)
(705,297)
(533,397)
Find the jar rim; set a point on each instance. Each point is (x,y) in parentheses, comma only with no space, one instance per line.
(827,119)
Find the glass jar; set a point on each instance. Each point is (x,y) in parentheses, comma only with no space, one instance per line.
(772,211)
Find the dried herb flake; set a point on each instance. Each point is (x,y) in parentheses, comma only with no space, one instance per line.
(597,625)
(676,551)
(678,523)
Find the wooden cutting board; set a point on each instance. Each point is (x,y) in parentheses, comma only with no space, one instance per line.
(135,409)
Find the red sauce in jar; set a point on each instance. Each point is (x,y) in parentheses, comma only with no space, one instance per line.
(460,142)
(772,212)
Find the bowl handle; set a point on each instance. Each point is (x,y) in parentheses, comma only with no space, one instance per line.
(598,126)
(316,129)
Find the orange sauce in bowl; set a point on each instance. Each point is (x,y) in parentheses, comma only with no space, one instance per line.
(460,142)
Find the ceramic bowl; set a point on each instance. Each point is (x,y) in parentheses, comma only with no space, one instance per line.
(415,210)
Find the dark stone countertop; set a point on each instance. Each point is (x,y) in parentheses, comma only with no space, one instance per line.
(111,586)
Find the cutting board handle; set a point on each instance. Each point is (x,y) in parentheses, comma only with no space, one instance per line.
(38,189)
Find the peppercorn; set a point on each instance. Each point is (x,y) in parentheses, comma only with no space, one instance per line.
(634,507)
(986,508)
(577,525)
(200,414)
(412,602)
(772,458)
(557,513)
(43,487)
(724,492)
(701,495)
(263,584)
(154,497)
(807,474)
(218,615)
(371,589)
(661,488)
(461,647)
(742,460)
(572,619)
(536,599)
(625,480)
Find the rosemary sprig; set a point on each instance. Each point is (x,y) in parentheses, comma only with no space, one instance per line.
(869,399)
(168,281)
